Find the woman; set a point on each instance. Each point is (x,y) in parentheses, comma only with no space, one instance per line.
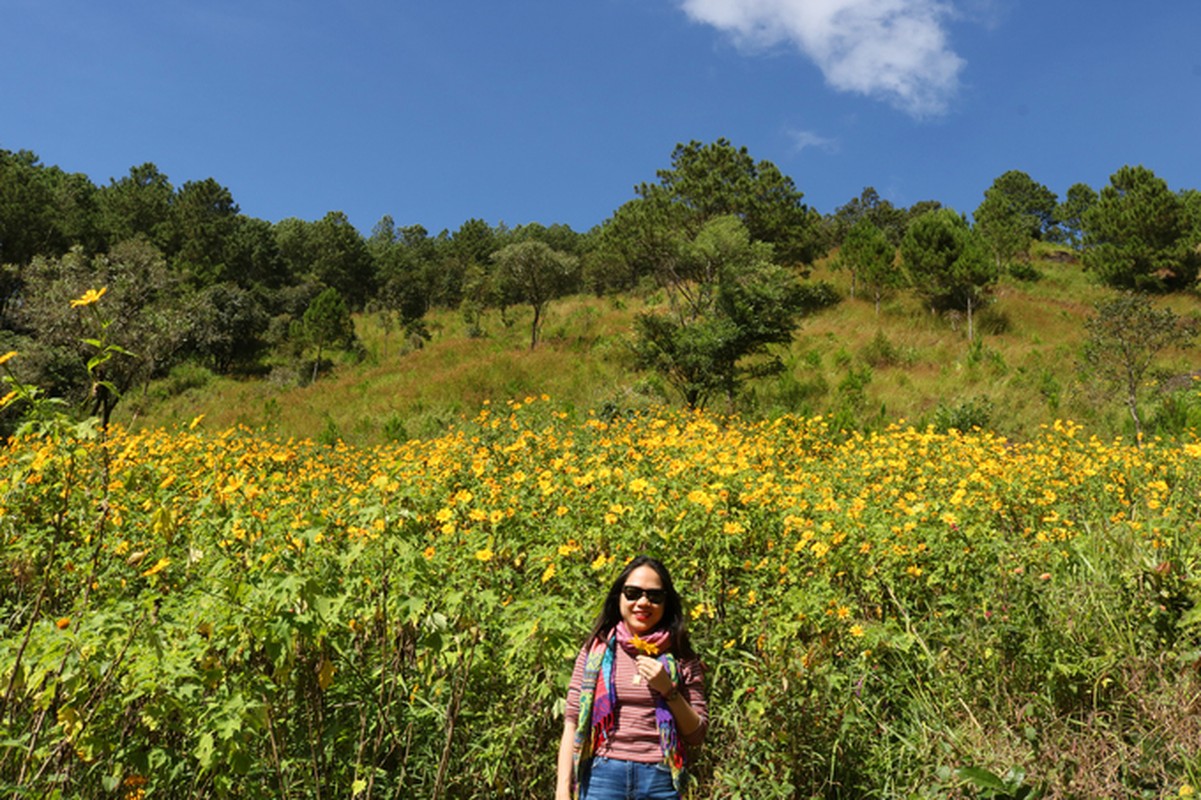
(636,699)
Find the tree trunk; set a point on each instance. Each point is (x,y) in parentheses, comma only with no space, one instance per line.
(1132,404)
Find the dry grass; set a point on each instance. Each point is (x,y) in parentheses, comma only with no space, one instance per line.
(1134,747)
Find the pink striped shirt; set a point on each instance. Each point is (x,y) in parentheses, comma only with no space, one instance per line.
(636,736)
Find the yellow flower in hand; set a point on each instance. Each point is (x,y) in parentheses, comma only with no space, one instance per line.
(643,646)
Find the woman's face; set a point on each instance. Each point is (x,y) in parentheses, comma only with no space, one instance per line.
(641,615)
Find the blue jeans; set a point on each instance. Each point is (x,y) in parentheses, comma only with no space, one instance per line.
(614,779)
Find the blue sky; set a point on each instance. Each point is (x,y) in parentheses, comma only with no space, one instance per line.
(549,111)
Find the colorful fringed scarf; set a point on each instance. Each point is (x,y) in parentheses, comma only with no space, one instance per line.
(598,701)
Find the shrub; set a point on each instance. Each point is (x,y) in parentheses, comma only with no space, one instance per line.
(970,415)
(185,377)
(394,429)
(880,351)
(816,295)
(1025,271)
(330,435)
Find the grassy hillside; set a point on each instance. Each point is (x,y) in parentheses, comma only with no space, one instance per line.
(865,369)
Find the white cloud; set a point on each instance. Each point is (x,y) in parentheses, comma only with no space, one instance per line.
(804,139)
(895,50)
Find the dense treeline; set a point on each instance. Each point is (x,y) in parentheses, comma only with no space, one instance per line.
(727,239)
(192,277)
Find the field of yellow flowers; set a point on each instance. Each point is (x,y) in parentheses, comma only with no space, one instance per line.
(219,614)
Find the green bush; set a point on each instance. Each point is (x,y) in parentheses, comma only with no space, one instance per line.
(1025,271)
(185,377)
(394,429)
(816,295)
(970,415)
(881,352)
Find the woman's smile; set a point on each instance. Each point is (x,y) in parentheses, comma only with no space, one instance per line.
(641,616)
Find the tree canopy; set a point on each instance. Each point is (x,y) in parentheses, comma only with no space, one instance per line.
(1138,234)
(1015,211)
(871,207)
(327,323)
(534,273)
(1079,199)
(728,302)
(947,262)
(871,258)
(243,285)
(719,179)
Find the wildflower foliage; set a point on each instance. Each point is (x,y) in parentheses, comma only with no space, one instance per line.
(217,614)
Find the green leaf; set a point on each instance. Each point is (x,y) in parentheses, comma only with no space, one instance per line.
(982,778)
(204,750)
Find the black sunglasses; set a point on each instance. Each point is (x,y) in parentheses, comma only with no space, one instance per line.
(632,593)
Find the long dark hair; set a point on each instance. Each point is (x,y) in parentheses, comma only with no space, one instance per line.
(673,619)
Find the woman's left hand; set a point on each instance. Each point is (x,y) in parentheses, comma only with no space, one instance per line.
(654,674)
